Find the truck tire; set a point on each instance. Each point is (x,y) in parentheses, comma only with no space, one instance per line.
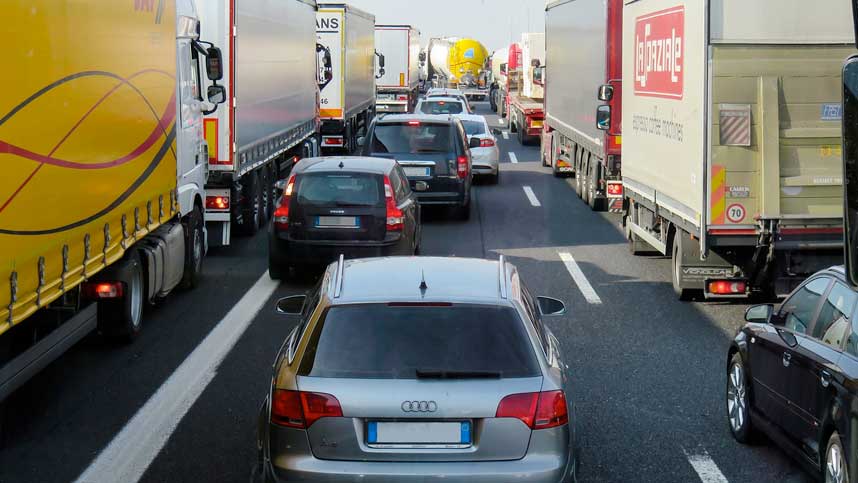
(123,319)
(683,294)
(266,192)
(194,249)
(592,197)
(250,211)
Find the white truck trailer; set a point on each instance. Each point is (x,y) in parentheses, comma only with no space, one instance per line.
(397,88)
(526,97)
(731,139)
(271,116)
(101,212)
(347,101)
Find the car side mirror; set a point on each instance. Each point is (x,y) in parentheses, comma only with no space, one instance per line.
(550,307)
(606,93)
(216,94)
(214,64)
(291,305)
(603,118)
(474,142)
(759,314)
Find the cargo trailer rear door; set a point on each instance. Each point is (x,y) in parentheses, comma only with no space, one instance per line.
(329,31)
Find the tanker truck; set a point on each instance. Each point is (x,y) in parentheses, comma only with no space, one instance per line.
(458,63)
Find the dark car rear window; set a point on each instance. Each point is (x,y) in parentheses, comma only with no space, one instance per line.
(474,128)
(441,107)
(378,341)
(341,189)
(411,138)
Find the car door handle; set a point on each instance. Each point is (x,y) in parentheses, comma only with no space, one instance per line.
(786,359)
(825,378)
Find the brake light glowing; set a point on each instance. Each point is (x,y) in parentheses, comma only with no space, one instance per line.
(441,103)
(486,143)
(538,410)
(395,218)
(217,202)
(462,168)
(297,409)
(728,287)
(615,189)
(281,214)
(334,141)
(413,123)
(104,290)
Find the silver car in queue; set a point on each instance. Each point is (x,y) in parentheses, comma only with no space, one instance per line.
(418,369)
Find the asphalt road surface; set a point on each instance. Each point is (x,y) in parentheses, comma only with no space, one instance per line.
(180,404)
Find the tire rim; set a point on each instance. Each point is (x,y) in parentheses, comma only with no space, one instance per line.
(198,251)
(136,299)
(737,402)
(835,466)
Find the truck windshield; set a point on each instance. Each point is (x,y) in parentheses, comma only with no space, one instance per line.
(411,138)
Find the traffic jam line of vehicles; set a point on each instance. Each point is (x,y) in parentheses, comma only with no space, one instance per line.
(727,152)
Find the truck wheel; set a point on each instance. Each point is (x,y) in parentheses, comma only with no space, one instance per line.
(194,249)
(683,294)
(123,319)
(266,190)
(592,198)
(250,211)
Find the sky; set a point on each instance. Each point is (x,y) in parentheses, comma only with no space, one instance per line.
(493,22)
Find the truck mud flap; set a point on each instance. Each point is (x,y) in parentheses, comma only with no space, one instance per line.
(694,272)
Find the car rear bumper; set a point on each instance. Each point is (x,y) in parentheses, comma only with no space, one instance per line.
(292,252)
(450,198)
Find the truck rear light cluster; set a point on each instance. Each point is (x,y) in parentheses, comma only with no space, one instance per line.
(395,219)
(334,141)
(486,143)
(217,202)
(300,409)
(281,214)
(103,290)
(402,97)
(462,167)
(538,410)
(728,287)
(615,189)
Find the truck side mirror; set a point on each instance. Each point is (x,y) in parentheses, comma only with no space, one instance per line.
(603,118)
(538,74)
(214,64)
(380,65)
(850,167)
(216,94)
(606,93)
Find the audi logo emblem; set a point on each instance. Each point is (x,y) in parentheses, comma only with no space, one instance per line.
(419,406)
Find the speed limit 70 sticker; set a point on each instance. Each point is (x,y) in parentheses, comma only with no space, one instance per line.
(736,213)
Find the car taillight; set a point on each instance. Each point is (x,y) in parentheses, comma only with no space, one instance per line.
(462,166)
(727,287)
(395,219)
(217,202)
(281,214)
(486,143)
(297,409)
(538,410)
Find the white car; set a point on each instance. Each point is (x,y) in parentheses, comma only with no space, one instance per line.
(456,93)
(484,159)
(442,105)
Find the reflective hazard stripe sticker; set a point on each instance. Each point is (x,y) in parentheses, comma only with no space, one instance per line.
(718,195)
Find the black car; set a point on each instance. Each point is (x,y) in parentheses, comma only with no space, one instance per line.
(357,207)
(793,374)
(434,152)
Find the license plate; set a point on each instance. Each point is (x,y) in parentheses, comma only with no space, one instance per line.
(337,222)
(454,434)
(416,172)
(536,124)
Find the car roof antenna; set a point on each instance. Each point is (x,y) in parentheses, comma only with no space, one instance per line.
(423,286)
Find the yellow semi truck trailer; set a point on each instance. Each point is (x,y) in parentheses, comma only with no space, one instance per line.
(104,165)
(731,139)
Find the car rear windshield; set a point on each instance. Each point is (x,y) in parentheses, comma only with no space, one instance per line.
(441,107)
(340,189)
(412,138)
(474,128)
(378,341)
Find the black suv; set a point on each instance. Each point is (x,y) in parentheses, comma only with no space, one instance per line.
(434,152)
(792,373)
(357,207)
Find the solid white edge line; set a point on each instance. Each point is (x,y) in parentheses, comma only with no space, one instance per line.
(531,196)
(134,448)
(580,279)
(706,468)
(505,134)
(513,158)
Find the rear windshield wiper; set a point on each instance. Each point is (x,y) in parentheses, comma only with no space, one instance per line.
(431,374)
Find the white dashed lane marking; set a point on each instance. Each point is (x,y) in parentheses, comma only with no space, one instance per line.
(706,469)
(505,134)
(578,276)
(513,158)
(531,196)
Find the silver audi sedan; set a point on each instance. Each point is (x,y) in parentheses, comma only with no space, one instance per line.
(418,369)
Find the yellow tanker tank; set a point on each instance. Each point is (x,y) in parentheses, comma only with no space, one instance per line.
(466,60)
